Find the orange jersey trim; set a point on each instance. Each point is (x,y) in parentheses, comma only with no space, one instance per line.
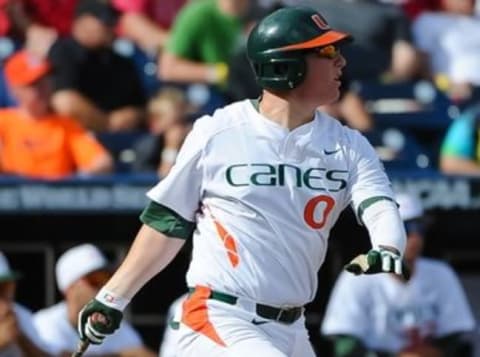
(195,314)
(228,241)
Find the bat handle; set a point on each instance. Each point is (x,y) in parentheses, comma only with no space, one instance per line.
(81,348)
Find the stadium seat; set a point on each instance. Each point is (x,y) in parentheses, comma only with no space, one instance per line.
(120,147)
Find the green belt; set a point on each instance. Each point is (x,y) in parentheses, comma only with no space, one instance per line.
(287,316)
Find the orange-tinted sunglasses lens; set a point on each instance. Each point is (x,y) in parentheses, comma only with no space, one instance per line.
(329,51)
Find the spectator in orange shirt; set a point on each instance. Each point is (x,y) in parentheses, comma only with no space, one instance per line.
(36,142)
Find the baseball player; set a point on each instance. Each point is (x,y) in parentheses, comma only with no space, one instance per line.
(259,185)
(427,316)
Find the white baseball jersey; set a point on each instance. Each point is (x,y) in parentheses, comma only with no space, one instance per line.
(264,199)
(168,346)
(389,315)
(25,322)
(56,330)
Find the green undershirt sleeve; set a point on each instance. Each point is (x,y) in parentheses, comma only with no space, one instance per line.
(166,221)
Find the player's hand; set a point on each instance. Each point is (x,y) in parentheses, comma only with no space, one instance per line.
(378,260)
(97,320)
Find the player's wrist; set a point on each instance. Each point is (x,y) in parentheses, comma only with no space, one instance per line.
(112,300)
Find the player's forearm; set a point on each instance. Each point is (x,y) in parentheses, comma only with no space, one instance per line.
(385,226)
(150,253)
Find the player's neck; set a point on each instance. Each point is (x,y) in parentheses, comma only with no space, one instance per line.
(290,115)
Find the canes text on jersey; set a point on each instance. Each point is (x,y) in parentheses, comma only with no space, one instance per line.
(259,174)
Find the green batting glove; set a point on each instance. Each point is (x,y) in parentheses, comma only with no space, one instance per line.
(378,260)
(94,328)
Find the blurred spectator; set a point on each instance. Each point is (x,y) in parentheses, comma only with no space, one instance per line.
(37,22)
(168,127)
(413,8)
(91,82)
(460,151)
(80,273)
(18,336)
(168,346)
(451,39)
(426,316)
(147,22)
(35,142)
(202,41)
(382,45)
(241,81)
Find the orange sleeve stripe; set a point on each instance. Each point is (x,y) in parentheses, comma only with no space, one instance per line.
(195,314)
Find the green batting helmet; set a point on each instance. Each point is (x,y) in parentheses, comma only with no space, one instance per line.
(277,45)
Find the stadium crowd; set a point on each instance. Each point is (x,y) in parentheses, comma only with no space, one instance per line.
(91,88)
(110,63)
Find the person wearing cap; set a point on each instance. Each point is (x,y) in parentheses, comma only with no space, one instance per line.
(259,185)
(80,271)
(91,82)
(427,316)
(18,335)
(35,141)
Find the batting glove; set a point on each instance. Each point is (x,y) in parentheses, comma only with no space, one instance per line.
(100,317)
(378,260)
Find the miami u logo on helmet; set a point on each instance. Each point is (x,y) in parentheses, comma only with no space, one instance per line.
(320,22)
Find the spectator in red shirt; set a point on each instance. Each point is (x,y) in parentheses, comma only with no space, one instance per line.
(37,22)
(147,22)
(413,8)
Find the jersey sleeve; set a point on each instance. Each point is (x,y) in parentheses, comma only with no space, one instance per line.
(455,314)
(181,189)
(368,181)
(347,308)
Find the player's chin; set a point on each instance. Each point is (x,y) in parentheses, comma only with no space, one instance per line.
(334,95)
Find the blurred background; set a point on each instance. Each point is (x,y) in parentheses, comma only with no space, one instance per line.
(120,83)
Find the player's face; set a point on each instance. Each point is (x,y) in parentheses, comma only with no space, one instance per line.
(324,70)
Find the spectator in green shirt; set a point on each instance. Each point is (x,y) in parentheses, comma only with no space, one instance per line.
(202,41)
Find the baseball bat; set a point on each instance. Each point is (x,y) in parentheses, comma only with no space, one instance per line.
(81,348)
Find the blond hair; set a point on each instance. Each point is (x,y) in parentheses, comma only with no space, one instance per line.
(166,99)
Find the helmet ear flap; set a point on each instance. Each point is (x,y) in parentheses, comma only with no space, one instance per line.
(281,73)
